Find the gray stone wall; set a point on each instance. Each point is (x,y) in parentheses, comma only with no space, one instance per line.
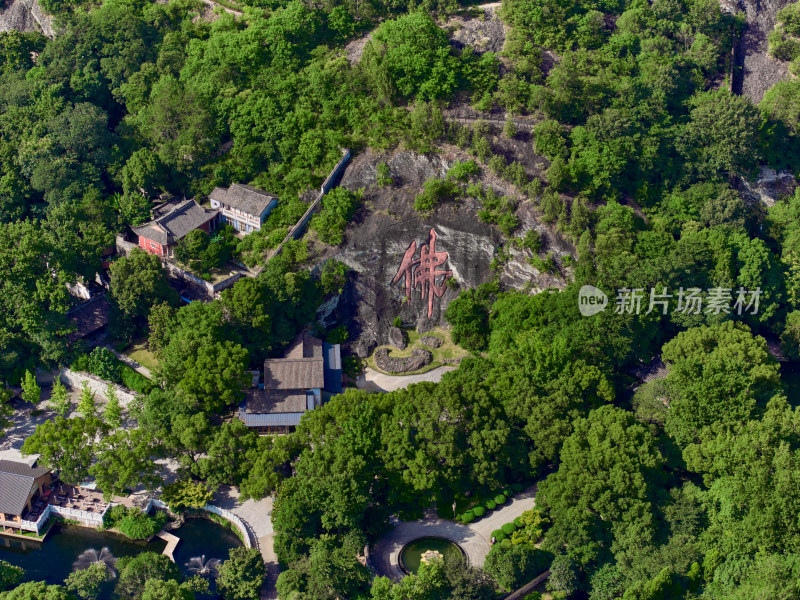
(75,379)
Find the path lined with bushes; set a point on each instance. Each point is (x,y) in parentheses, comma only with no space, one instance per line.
(512,509)
(473,538)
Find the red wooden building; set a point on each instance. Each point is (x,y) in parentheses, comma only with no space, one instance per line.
(160,235)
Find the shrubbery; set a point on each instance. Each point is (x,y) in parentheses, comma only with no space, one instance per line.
(509,528)
(202,252)
(186,494)
(135,381)
(338,208)
(514,566)
(462,171)
(491,504)
(102,363)
(139,526)
(133,523)
(434,192)
(479,511)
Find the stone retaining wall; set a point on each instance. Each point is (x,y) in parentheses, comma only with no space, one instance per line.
(75,379)
(326,186)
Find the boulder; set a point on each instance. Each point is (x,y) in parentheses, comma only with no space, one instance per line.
(407,364)
(431,341)
(397,338)
(425,325)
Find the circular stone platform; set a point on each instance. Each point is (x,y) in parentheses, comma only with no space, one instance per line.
(385,555)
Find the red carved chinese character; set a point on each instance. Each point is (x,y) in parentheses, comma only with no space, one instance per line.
(424,276)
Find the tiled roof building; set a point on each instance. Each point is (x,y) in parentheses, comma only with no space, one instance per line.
(89,318)
(309,371)
(20,484)
(243,207)
(160,235)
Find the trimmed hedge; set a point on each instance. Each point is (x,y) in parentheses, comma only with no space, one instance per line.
(509,528)
(105,365)
(518,523)
(499,535)
(135,381)
(479,511)
(500,499)
(468,517)
(491,504)
(507,493)
(517,487)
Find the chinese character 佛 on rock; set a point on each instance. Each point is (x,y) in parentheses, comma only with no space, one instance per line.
(425,274)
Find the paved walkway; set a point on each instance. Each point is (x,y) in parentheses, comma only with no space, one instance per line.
(257,516)
(124,358)
(373,381)
(473,538)
(24,420)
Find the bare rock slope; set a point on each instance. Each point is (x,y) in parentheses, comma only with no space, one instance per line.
(387,247)
(26,15)
(759,71)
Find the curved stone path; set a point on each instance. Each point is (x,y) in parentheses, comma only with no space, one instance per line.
(373,381)
(473,538)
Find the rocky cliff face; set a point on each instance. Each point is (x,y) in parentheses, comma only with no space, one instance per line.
(411,265)
(758,71)
(26,15)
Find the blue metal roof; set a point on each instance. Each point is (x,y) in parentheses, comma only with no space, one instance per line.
(332,361)
(270,420)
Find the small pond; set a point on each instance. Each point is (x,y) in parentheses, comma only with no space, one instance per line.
(203,537)
(411,554)
(53,560)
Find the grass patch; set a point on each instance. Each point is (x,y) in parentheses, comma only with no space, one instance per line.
(138,351)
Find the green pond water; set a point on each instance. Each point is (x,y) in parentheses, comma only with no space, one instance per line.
(411,554)
(53,560)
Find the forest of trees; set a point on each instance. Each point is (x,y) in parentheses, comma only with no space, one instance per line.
(683,488)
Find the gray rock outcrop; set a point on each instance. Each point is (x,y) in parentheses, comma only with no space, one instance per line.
(387,249)
(485,33)
(26,15)
(430,341)
(397,338)
(759,71)
(770,186)
(408,364)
